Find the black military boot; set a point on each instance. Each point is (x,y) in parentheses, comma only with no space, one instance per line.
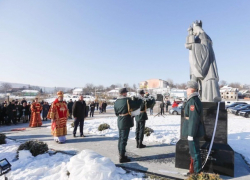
(123,159)
(137,143)
(141,145)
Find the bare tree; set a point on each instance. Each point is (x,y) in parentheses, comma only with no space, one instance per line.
(5,86)
(134,87)
(222,83)
(181,86)
(235,85)
(112,86)
(88,88)
(170,83)
(100,88)
(118,85)
(126,85)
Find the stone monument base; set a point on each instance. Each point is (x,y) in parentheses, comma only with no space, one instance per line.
(221,159)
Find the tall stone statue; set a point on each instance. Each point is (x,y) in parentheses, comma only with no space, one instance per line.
(203,68)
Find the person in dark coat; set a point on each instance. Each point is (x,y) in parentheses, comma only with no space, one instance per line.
(28,106)
(19,111)
(25,112)
(97,105)
(23,101)
(92,109)
(1,116)
(45,110)
(11,111)
(167,104)
(79,114)
(4,113)
(162,107)
(195,129)
(70,106)
(140,122)
(123,106)
(104,106)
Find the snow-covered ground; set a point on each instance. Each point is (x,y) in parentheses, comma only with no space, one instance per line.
(87,165)
(167,131)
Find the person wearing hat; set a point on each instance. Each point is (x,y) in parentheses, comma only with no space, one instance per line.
(36,108)
(123,107)
(58,113)
(140,122)
(195,130)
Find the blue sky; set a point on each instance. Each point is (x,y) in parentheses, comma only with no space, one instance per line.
(71,43)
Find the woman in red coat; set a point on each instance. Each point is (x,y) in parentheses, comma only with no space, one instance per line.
(174,104)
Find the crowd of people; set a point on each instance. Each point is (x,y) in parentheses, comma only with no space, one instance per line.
(19,111)
(15,111)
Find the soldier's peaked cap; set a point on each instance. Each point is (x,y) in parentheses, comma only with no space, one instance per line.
(192,84)
(123,90)
(141,92)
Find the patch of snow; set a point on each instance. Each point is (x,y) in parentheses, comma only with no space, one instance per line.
(85,165)
(89,165)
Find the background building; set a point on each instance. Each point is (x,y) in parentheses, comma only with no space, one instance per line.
(229,93)
(153,83)
(77,91)
(30,92)
(113,93)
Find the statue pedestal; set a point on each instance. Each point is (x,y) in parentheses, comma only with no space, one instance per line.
(221,159)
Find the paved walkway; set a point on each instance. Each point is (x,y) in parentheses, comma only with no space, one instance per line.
(156,158)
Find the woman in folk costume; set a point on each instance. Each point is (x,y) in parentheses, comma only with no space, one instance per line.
(36,108)
(59,114)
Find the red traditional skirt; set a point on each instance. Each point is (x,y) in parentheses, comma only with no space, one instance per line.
(35,120)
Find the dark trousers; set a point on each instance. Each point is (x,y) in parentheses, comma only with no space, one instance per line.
(12,118)
(76,123)
(139,133)
(91,113)
(166,108)
(162,111)
(194,150)
(122,142)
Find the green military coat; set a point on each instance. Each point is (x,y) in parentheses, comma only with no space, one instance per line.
(121,108)
(193,112)
(143,114)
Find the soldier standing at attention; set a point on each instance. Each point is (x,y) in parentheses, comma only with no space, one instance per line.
(140,123)
(123,107)
(193,113)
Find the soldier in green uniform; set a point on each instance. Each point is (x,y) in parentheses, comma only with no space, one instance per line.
(140,122)
(123,107)
(195,129)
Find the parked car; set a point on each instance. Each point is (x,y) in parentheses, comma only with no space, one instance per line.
(245,113)
(236,110)
(175,110)
(235,104)
(232,108)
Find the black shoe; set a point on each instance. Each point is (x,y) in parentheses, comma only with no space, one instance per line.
(124,159)
(82,135)
(141,145)
(137,144)
(74,135)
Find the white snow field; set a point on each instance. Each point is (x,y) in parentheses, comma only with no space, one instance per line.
(87,165)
